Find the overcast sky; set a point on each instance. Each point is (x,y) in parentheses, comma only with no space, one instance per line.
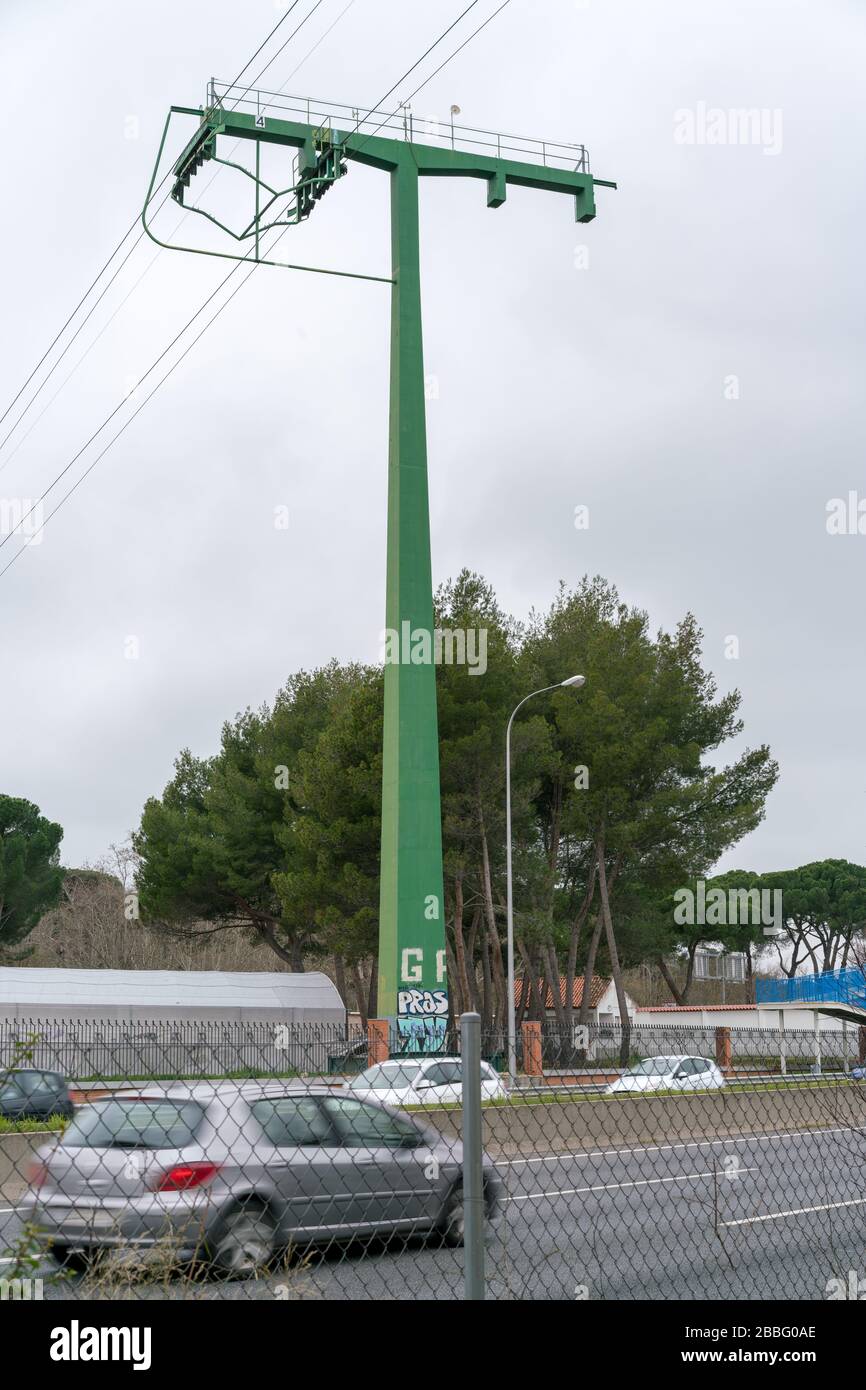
(688,366)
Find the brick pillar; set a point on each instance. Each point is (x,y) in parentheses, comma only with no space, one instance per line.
(723,1049)
(532,1049)
(377,1041)
(862,1045)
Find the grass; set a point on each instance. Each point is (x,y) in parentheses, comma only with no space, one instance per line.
(563,1095)
(242,1074)
(54,1123)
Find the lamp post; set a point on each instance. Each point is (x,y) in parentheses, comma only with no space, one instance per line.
(577,682)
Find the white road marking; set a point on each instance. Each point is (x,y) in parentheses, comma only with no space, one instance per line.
(795,1211)
(670,1148)
(614,1186)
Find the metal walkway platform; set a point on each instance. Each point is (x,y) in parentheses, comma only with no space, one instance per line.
(837,993)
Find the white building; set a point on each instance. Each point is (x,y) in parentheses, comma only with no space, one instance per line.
(603,1003)
(214,996)
(731,1016)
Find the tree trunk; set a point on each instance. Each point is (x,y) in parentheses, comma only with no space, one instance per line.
(625,1022)
(456,997)
(589,971)
(530,976)
(373,996)
(669,980)
(471,964)
(555,986)
(492,932)
(340,979)
(574,941)
(460,945)
(487,1004)
(360,994)
(562,1050)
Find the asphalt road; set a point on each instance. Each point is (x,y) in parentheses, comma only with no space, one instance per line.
(777,1216)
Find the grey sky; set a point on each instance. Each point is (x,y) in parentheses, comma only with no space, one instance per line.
(558,385)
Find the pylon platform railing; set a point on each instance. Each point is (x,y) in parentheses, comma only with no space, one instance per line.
(404,123)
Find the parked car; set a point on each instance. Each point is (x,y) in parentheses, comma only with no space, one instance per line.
(30,1094)
(438,1081)
(669,1074)
(235,1173)
(858,1073)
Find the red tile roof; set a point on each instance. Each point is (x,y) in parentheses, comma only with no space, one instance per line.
(692,1008)
(596,990)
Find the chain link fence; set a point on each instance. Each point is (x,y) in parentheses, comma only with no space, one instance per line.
(166,1160)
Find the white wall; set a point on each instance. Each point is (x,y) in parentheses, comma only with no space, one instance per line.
(795,1019)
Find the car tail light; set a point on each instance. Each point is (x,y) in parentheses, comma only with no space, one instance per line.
(183,1176)
(36,1173)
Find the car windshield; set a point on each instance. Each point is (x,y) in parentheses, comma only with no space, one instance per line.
(387,1077)
(653,1066)
(134,1124)
(21,1083)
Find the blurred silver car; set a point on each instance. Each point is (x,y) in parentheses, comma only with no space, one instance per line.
(432,1081)
(235,1172)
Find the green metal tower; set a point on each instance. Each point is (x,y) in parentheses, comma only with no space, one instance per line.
(413,987)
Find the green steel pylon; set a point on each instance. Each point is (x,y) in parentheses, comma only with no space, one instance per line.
(412,991)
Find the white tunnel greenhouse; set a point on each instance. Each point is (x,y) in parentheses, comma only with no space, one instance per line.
(168,1022)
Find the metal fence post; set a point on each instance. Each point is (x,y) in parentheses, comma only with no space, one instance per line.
(473,1176)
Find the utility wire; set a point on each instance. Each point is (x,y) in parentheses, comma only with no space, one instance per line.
(151,263)
(4,441)
(115,252)
(446,61)
(253,267)
(489,20)
(138,409)
(264,43)
(107,421)
(60,333)
(415,65)
(103,330)
(279,50)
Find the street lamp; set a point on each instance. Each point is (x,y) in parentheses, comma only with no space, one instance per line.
(577,682)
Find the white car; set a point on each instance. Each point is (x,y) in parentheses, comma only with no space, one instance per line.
(669,1074)
(437,1081)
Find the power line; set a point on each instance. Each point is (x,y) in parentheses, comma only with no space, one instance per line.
(435,72)
(4,441)
(114,253)
(60,333)
(446,61)
(138,409)
(103,330)
(96,433)
(253,267)
(265,42)
(279,50)
(415,65)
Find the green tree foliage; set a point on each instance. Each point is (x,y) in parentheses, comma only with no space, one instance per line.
(616,801)
(212,845)
(30,874)
(823,911)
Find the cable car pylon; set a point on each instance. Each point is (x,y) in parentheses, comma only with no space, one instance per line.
(326,139)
